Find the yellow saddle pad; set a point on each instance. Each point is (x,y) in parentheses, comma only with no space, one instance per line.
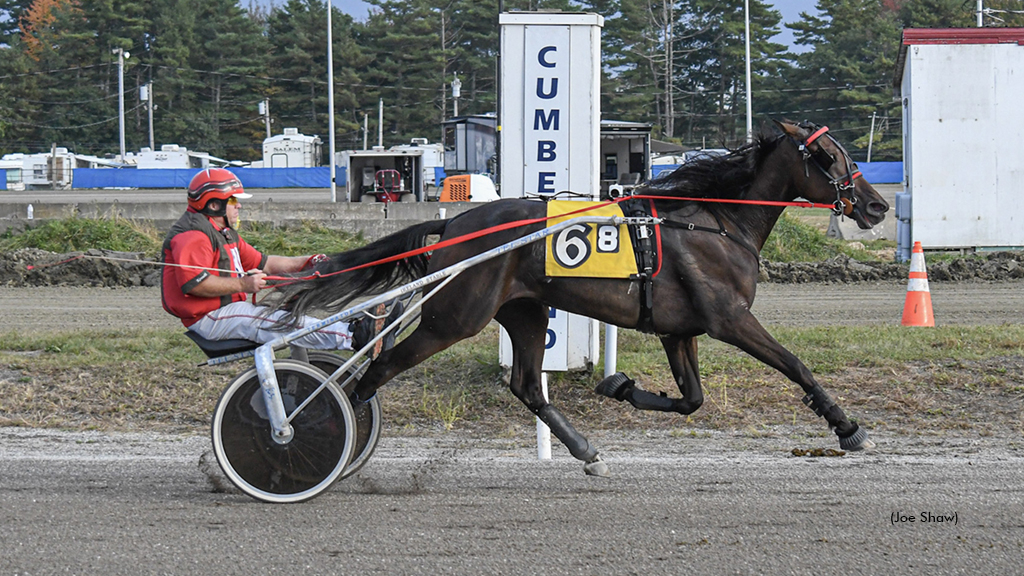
(588,250)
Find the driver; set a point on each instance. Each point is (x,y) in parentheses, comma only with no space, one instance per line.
(214,270)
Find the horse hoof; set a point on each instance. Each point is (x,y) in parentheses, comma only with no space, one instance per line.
(857,441)
(614,386)
(598,468)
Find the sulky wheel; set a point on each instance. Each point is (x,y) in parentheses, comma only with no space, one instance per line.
(368,415)
(316,454)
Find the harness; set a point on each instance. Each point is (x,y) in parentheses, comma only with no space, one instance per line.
(822,160)
(647,248)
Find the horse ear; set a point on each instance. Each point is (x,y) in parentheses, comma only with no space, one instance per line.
(788,127)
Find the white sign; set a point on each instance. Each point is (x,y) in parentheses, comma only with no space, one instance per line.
(570,342)
(550,130)
(550,103)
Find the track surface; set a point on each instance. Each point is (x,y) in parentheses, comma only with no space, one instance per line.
(89,503)
(966,303)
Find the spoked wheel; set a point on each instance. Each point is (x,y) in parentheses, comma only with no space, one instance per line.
(368,416)
(315,456)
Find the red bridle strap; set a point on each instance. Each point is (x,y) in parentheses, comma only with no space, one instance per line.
(816,135)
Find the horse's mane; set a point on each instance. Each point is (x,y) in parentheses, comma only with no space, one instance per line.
(726,176)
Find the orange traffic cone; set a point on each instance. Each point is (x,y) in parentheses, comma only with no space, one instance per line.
(917,309)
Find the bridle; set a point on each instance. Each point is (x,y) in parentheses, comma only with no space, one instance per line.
(823,160)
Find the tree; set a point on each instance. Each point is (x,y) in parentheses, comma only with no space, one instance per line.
(847,77)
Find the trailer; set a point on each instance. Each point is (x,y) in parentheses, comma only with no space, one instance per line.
(963,126)
(380,175)
(291,150)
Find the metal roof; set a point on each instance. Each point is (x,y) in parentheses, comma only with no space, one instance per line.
(921,36)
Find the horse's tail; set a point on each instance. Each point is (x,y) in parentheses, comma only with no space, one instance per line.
(332,292)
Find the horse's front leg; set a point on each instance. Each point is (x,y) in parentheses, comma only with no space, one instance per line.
(682,358)
(526,323)
(746,333)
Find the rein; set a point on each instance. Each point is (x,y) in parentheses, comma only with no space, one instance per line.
(287,280)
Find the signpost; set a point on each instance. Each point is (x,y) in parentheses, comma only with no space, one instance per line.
(550,133)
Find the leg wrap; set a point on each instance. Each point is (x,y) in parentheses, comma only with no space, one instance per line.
(577,444)
(819,401)
(622,388)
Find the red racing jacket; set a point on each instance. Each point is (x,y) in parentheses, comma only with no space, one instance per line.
(194,241)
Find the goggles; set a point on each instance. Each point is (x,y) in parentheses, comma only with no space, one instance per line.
(232,201)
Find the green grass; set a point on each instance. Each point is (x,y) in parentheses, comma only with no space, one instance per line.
(890,375)
(795,241)
(75,234)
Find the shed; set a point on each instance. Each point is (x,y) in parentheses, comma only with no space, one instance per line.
(963,139)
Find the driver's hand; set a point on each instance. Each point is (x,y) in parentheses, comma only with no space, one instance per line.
(254,281)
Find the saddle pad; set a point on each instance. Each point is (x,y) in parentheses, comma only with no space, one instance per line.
(588,250)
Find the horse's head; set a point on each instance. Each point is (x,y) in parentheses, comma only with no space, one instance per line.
(829,174)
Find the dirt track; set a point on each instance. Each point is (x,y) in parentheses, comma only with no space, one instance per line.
(963,303)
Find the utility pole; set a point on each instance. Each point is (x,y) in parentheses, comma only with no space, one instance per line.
(456,92)
(265,112)
(330,100)
(121,57)
(146,94)
(750,121)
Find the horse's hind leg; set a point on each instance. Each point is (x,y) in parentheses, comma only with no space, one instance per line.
(746,333)
(682,357)
(526,323)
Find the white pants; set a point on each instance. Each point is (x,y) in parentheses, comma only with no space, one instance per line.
(244,320)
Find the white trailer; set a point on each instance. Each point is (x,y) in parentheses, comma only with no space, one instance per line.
(44,170)
(172,156)
(292,150)
(372,173)
(963,139)
(433,157)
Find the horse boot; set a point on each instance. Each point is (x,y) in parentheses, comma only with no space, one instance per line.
(621,387)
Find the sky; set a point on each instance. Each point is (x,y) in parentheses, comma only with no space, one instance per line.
(790,9)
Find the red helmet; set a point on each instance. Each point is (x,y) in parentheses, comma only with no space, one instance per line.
(214,184)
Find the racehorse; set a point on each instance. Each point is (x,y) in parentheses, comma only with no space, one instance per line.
(717,213)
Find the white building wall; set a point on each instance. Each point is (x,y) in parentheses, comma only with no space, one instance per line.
(964,144)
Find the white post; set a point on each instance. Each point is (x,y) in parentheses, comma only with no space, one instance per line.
(121,56)
(871,135)
(750,121)
(980,8)
(611,349)
(380,123)
(330,100)
(366,131)
(543,432)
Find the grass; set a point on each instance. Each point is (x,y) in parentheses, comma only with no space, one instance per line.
(941,379)
(75,234)
(792,240)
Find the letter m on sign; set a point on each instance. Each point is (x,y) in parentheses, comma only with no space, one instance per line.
(542,122)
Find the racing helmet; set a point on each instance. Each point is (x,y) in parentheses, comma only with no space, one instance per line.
(214,184)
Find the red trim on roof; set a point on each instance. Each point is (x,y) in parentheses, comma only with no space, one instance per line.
(914,36)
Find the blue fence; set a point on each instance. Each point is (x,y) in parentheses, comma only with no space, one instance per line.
(179,178)
(874,172)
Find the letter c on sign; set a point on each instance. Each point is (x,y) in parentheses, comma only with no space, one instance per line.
(543,52)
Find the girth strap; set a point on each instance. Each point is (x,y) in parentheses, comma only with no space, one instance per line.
(644,247)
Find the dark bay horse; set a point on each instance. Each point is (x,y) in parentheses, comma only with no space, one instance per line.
(706,283)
